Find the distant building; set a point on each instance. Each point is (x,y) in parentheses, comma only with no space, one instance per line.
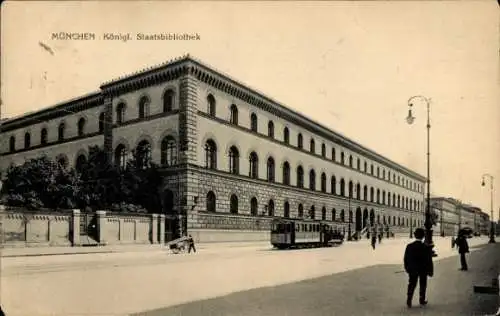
(452,215)
(232,157)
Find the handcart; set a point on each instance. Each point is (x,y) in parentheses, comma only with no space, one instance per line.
(178,245)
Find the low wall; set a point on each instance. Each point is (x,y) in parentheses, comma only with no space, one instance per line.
(42,228)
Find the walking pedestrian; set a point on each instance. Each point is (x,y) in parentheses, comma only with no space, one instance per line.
(191,244)
(374,238)
(418,264)
(463,248)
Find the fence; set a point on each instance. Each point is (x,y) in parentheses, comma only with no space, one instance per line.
(23,228)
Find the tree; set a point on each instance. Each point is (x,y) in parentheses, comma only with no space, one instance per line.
(40,182)
(142,180)
(100,181)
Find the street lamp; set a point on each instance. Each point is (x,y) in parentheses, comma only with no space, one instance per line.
(410,119)
(492,229)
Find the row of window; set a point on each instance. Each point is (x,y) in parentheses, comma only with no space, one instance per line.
(61,131)
(399,180)
(144,106)
(143,109)
(368,194)
(269,210)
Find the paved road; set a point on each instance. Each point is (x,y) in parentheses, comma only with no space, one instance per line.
(124,283)
(376,290)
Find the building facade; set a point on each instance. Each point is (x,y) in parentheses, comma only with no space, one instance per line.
(232,158)
(453,215)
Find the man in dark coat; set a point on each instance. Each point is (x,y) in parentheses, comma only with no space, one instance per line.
(418,264)
(463,248)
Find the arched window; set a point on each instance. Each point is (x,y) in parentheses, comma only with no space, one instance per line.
(254,206)
(394,199)
(168,100)
(365,193)
(234,114)
(378,218)
(234,204)
(372,195)
(323,182)
(143,107)
(121,156)
(342,157)
(342,216)
(378,172)
(371,169)
(12,143)
(234,160)
(389,198)
(81,160)
(333,155)
(143,154)
(286,135)
(270,129)
(253,122)
(43,136)
(60,131)
(211,105)
(211,202)
(350,189)
(358,191)
(299,141)
(312,146)
(334,185)
(383,197)
(27,140)
(323,213)
(312,180)
(81,126)
(286,210)
(286,173)
(168,151)
(270,169)
(300,177)
(366,166)
(334,215)
(300,211)
(270,208)
(383,174)
(101,122)
(254,165)
(323,150)
(120,113)
(210,154)
(358,164)
(350,161)
(378,196)
(342,187)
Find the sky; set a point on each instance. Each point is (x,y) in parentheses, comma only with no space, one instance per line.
(351,66)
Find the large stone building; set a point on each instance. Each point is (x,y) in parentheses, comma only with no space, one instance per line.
(232,158)
(453,215)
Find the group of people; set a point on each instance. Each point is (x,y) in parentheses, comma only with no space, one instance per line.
(418,263)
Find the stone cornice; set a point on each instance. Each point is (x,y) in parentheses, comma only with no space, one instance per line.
(59,110)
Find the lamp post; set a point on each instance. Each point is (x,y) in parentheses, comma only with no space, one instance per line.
(492,228)
(409,120)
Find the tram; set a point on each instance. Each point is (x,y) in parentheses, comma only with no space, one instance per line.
(297,233)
